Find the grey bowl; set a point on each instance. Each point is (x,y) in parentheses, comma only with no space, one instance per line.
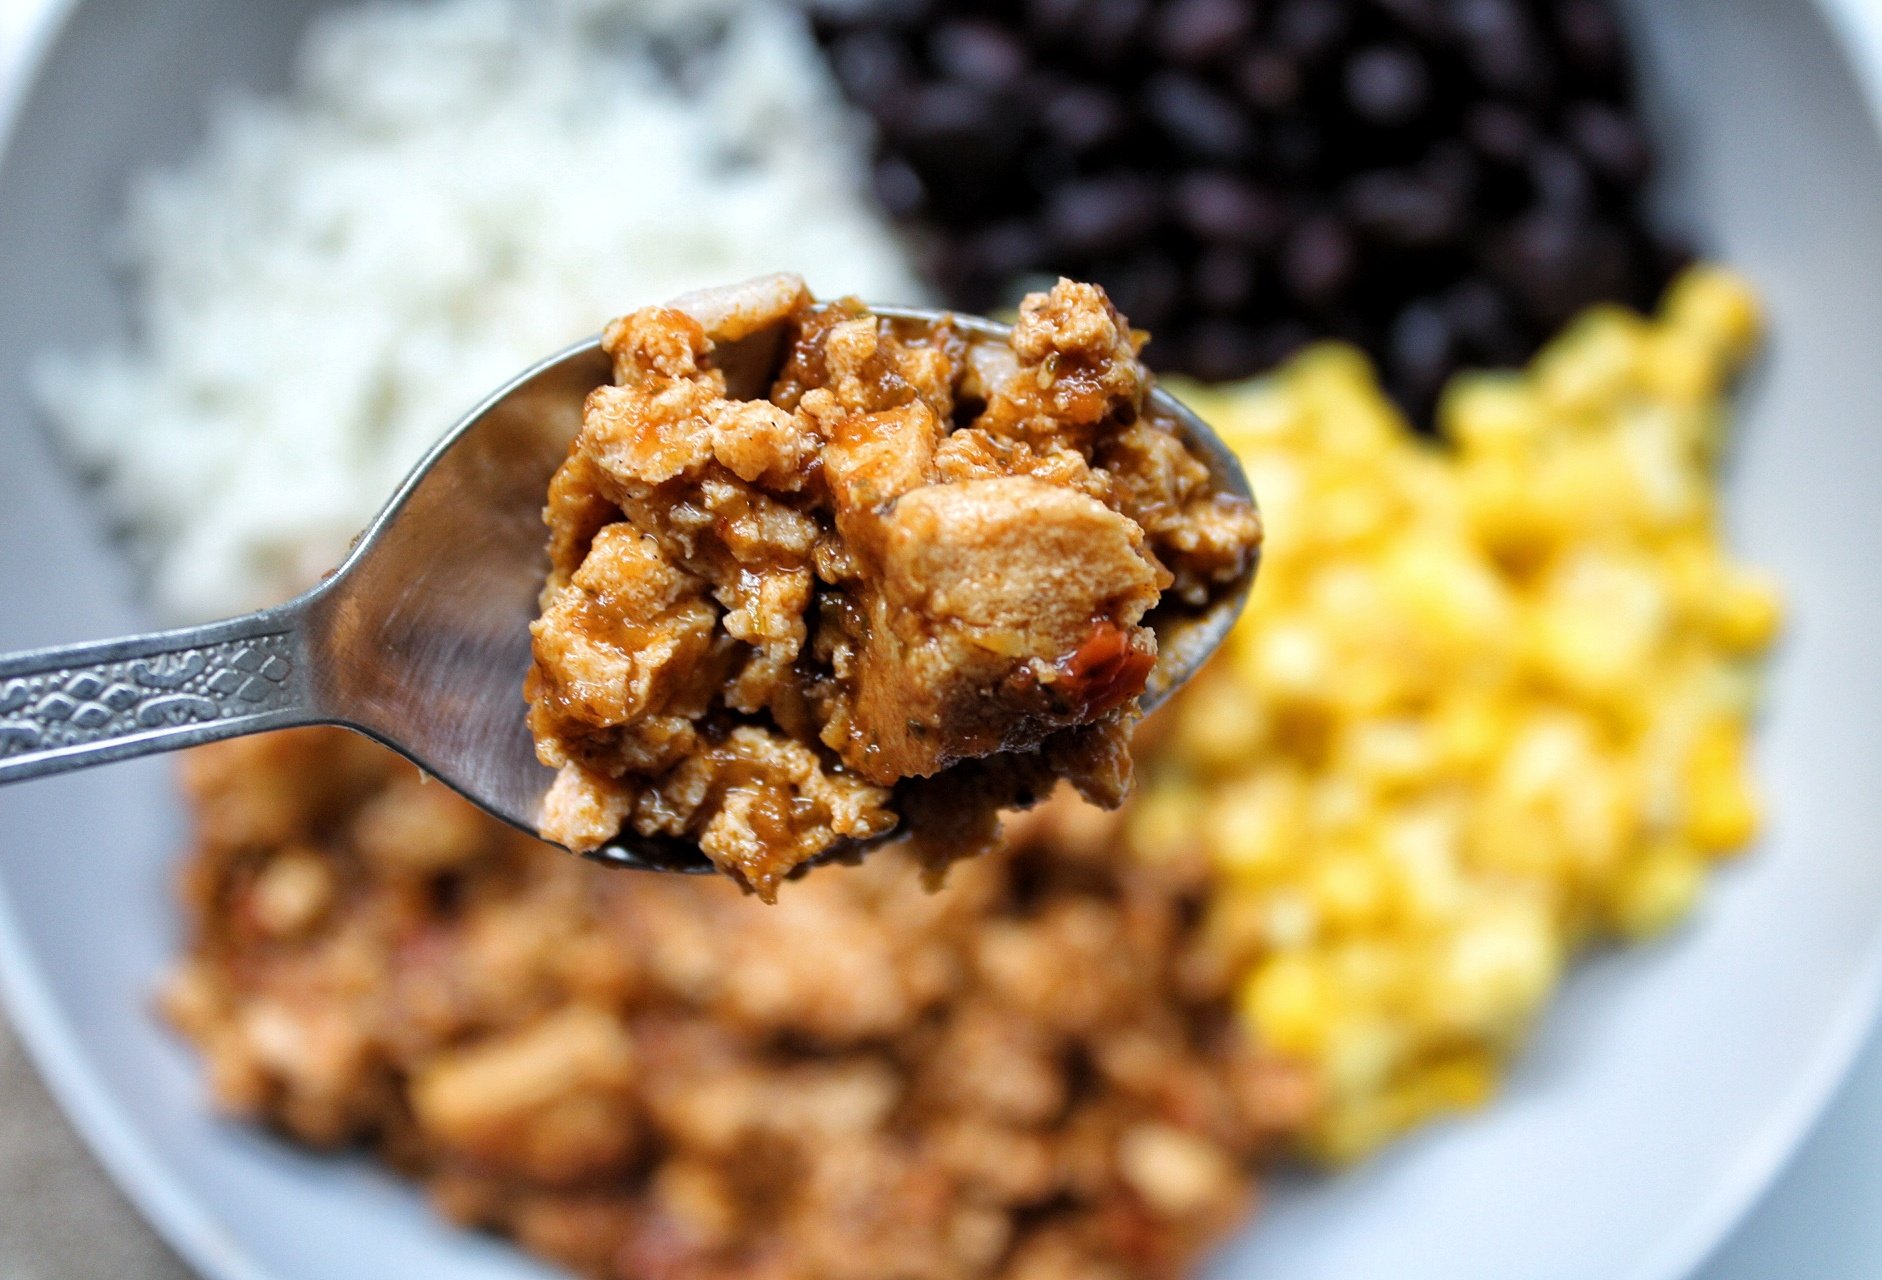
(1666,1087)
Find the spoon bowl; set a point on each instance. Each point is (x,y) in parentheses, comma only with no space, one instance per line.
(420,639)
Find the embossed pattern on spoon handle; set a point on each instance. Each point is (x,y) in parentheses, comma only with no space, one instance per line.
(74,706)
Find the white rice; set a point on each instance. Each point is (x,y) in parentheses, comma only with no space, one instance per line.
(449,192)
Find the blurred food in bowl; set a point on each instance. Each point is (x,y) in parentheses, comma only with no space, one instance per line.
(1027,1076)
(1442,184)
(449,193)
(1489,706)
(1490,703)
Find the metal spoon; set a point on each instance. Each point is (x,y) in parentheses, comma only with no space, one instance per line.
(421,638)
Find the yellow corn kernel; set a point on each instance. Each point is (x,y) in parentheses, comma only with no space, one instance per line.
(1490,702)
(1165,822)
(1580,653)
(1348,514)
(1599,820)
(1219,729)
(1470,728)
(1357,1129)
(1429,877)
(1368,969)
(1489,413)
(1661,451)
(1288,918)
(1658,891)
(1258,827)
(1594,363)
(1247,415)
(1290,1004)
(1598,628)
(1721,809)
(1351,890)
(1360,1055)
(1455,602)
(1694,575)
(1389,754)
(1680,366)
(1350,415)
(1354,1130)
(1329,368)
(1746,612)
(1460,1081)
(1287,658)
(1494,971)
(1717,307)
(1501,512)
(1515,841)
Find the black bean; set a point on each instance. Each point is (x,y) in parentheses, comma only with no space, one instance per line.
(1453,168)
(1561,180)
(874,68)
(1667,256)
(1147,288)
(1085,118)
(1318,260)
(1556,264)
(957,129)
(1110,31)
(1266,79)
(1590,36)
(1099,216)
(1503,48)
(1606,265)
(1400,208)
(1275,342)
(1221,350)
(1223,208)
(1200,121)
(1053,20)
(951,264)
(1500,132)
(906,13)
(1440,181)
(1387,85)
(1008,249)
(898,188)
(1197,32)
(1222,280)
(1614,146)
(969,147)
(1479,315)
(1295,146)
(978,52)
(1473,305)
(1047,166)
(1311,30)
(1424,20)
(1420,351)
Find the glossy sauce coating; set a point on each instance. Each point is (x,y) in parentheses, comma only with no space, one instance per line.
(778,625)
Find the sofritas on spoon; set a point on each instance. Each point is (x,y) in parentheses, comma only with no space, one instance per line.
(421,639)
(896,586)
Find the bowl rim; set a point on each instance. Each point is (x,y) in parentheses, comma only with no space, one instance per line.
(187,1225)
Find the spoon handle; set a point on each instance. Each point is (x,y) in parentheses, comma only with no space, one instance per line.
(79,705)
